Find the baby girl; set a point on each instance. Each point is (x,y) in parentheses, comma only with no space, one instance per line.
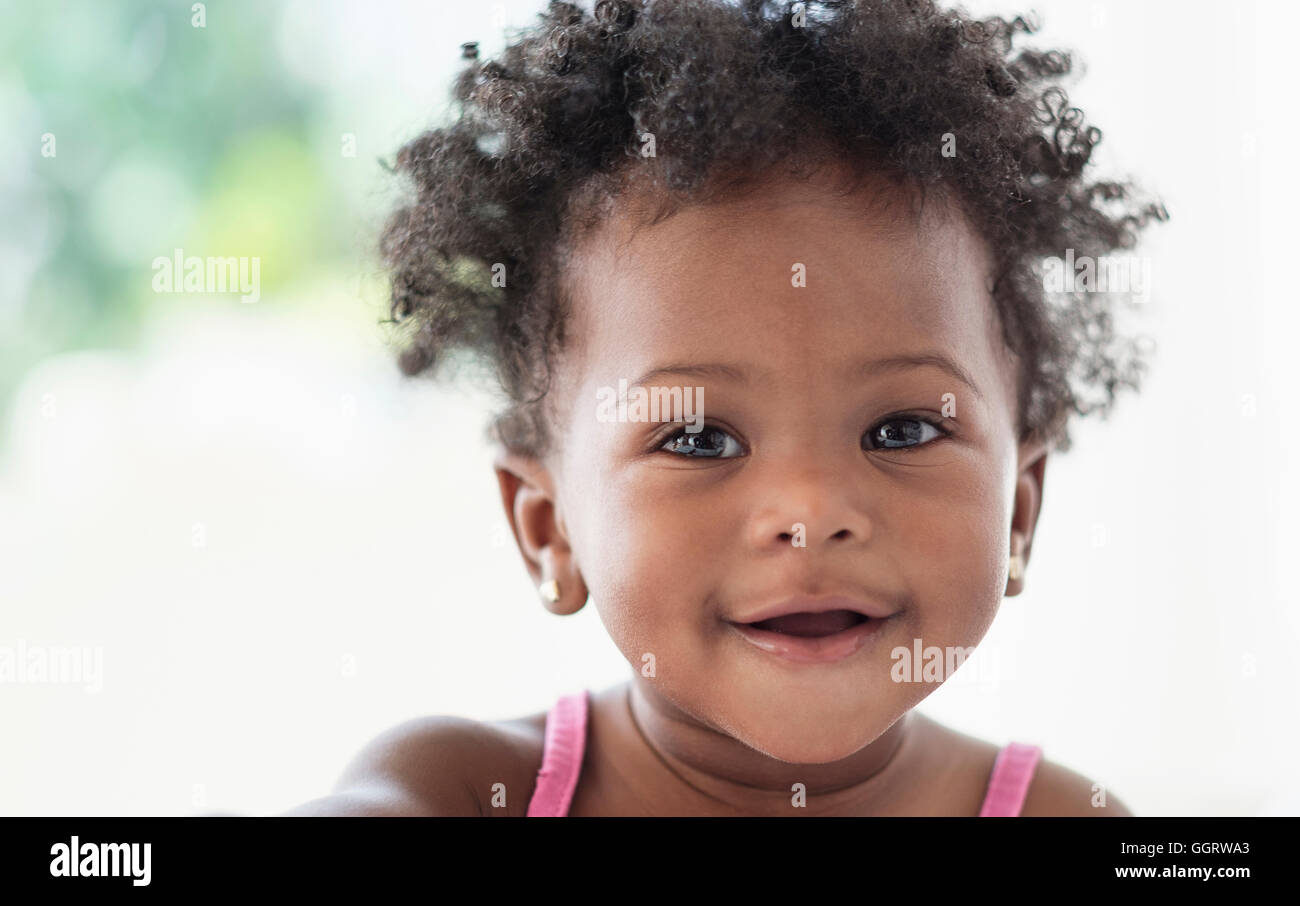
(814,236)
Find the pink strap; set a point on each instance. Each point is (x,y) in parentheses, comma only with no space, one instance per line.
(562,749)
(1012,773)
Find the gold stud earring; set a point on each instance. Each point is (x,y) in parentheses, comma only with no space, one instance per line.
(1016,568)
(550,591)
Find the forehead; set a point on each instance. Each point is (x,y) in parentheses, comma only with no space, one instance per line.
(881,275)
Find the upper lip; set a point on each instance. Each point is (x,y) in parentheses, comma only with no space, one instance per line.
(868,607)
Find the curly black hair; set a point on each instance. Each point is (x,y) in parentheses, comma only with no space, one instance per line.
(548,135)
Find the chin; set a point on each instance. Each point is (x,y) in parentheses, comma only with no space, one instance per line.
(806,736)
(790,751)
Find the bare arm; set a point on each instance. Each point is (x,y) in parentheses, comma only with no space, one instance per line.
(1058,792)
(418,768)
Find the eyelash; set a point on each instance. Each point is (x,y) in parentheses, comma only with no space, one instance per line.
(938,425)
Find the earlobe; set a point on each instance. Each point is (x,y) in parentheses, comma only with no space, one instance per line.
(1024,516)
(528,496)
(1016,568)
(561,596)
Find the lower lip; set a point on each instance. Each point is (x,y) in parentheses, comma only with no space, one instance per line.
(811,650)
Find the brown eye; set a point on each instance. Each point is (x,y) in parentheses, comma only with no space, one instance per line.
(903,432)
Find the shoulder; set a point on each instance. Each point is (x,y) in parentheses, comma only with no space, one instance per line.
(1054,791)
(1058,792)
(439,766)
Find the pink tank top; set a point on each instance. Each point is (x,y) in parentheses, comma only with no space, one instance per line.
(566,735)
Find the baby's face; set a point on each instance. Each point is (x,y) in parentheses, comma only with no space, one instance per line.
(840,456)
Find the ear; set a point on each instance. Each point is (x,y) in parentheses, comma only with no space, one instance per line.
(1032,463)
(528,495)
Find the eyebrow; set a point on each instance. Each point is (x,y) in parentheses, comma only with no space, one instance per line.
(868,368)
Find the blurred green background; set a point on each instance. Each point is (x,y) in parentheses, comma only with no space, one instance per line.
(232,129)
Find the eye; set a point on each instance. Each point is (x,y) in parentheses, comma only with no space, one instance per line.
(903,432)
(707,443)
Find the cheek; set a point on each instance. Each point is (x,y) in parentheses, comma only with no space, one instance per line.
(650,558)
(958,546)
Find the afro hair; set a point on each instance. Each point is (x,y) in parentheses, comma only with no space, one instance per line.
(549,134)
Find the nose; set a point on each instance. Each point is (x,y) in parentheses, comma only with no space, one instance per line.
(811,507)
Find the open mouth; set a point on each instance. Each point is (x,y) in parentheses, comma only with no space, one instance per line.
(811,625)
(811,638)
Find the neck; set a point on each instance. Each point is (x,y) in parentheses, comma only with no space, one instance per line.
(718,774)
